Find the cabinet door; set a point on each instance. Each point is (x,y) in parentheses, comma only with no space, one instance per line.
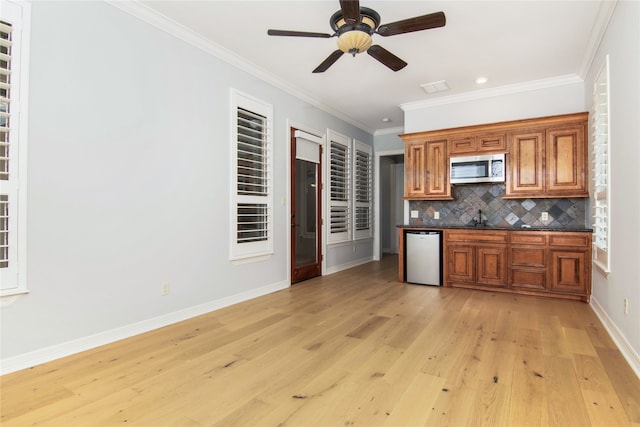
(492,266)
(566,162)
(525,164)
(568,271)
(415,178)
(437,169)
(460,263)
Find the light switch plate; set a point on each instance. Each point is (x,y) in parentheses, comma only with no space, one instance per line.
(414,214)
(436,215)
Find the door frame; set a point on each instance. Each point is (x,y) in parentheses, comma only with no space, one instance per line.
(286,200)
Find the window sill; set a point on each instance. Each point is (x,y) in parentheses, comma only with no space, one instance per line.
(8,298)
(250,259)
(601,268)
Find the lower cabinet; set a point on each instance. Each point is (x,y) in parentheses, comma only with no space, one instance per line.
(543,263)
(476,258)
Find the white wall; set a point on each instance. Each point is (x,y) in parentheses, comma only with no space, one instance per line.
(622,43)
(129,183)
(537,99)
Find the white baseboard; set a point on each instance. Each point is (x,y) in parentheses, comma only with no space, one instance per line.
(618,337)
(351,264)
(37,357)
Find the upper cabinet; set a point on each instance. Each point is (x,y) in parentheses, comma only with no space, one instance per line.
(468,145)
(546,157)
(549,159)
(426,171)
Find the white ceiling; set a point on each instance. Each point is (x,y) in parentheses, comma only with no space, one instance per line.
(509,42)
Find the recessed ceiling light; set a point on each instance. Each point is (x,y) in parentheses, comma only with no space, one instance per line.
(481,80)
(434,87)
(386,120)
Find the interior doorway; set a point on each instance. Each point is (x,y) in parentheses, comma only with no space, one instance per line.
(306,206)
(390,206)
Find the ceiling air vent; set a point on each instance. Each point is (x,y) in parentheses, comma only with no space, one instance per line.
(433,87)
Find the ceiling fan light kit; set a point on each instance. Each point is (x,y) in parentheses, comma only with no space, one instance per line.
(354,26)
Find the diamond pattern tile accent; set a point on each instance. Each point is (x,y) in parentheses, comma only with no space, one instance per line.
(498,212)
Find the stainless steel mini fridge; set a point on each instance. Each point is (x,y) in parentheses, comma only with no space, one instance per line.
(423,252)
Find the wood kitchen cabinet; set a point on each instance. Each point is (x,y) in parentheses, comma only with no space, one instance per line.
(549,159)
(546,157)
(426,169)
(469,145)
(570,263)
(476,258)
(543,263)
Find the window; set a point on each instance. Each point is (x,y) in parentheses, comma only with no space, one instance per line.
(252,177)
(14,24)
(601,134)
(362,193)
(339,188)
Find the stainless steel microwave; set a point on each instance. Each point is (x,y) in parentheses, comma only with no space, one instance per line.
(470,169)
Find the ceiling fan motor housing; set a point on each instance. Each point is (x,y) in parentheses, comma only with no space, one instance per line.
(355,38)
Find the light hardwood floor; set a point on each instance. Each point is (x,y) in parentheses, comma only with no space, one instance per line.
(353,348)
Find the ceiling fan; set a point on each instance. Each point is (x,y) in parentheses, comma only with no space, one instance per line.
(354,26)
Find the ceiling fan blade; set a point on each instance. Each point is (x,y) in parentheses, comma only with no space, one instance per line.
(350,11)
(419,23)
(297,34)
(329,61)
(386,57)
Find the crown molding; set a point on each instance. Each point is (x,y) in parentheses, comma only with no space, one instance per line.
(492,92)
(597,34)
(164,23)
(388,131)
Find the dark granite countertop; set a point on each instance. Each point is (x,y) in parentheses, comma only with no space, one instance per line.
(489,227)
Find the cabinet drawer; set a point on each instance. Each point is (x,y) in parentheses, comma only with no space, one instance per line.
(528,279)
(528,257)
(488,236)
(580,240)
(462,145)
(528,238)
(492,143)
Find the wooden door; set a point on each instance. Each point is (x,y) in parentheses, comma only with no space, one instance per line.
(461,263)
(568,271)
(525,175)
(306,210)
(492,266)
(437,169)
(415,181)
(566,162)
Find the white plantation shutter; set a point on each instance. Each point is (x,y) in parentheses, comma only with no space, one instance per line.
(252,179)
(339,188)
(601,142)
(362,195)
(14,21)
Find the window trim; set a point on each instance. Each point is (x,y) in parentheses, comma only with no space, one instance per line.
(258,250)
(20,12)
(601,139)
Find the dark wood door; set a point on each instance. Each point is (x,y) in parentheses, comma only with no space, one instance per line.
(306,212)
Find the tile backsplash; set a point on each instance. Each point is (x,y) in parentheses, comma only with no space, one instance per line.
(496,211)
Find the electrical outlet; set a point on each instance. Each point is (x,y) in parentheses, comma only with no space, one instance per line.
(436,215)
(544,216)
(164,290)
(414,214)
(626,306)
